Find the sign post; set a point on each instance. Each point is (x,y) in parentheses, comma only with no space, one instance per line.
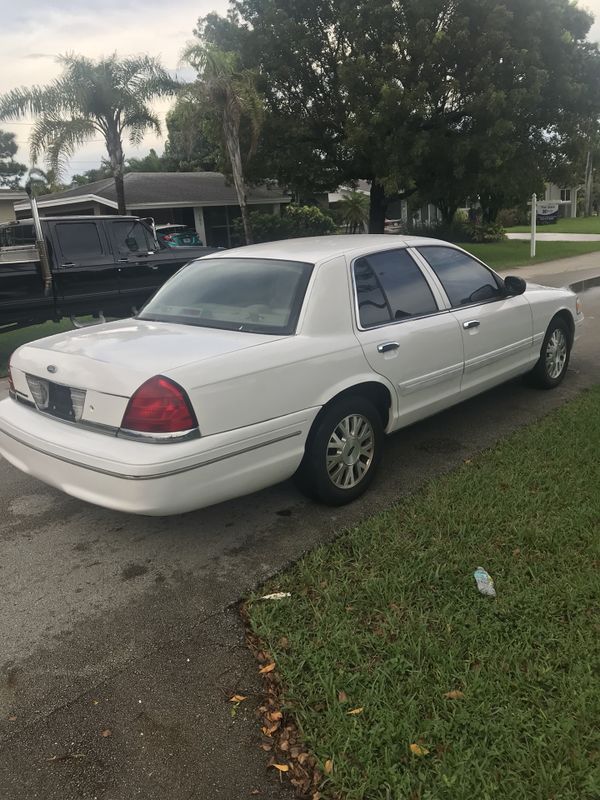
(533,221)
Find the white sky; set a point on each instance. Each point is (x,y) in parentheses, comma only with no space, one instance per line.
(34,31)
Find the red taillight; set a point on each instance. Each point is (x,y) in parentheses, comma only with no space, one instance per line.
(159,406)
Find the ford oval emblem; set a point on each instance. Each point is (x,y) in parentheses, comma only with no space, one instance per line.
(51,368)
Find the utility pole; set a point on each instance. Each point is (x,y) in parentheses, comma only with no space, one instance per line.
(533,222)
(589,174)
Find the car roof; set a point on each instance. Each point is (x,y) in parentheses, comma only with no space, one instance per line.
(319,248)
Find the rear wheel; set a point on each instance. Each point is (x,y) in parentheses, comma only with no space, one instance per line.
(343,451)
(553,362)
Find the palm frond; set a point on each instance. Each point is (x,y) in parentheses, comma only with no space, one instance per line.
(59,139)
(34,100)
(137,122)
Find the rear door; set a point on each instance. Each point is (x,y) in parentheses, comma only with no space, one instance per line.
(84,266)
(497,329)
(406,334)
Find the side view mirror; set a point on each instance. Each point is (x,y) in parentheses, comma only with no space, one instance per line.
(514,285)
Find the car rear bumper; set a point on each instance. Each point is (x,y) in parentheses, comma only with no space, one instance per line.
(153,479)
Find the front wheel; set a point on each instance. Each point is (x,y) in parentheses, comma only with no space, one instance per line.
(343,452)
(553,362)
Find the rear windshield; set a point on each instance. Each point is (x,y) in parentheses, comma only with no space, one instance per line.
(240,294)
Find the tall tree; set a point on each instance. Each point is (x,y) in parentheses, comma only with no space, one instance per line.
(190,147)
(439,96)
(11,171)
(227,96)
(109,98)
(43,181)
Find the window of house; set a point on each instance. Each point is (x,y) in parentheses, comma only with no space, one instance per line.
(565,194)
(391,287)
(464,279)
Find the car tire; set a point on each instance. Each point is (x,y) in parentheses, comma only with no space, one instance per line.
(343,451)
(555,352)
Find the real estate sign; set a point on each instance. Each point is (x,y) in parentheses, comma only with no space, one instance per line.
(546,212)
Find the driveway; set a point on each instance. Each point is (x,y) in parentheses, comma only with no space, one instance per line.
(119,639)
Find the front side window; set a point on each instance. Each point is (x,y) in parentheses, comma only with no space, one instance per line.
(464,279)
(132,237)
(241,294)
(391,287)
(78,239)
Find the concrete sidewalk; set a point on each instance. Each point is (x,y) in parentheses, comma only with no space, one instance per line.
(556,237)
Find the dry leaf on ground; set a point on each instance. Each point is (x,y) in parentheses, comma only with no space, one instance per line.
(342,697)
(106,732)
(328,767)
(356,711)
(237,698)
(267,668)
(281,767)
(418,750)
(455,694)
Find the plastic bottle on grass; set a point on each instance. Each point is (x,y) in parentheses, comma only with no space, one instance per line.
(485,582)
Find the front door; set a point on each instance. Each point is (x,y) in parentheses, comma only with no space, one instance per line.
(142,267)
(405,333)
(497,329)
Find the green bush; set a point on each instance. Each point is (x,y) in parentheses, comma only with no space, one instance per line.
(508,217)
(458,231)
(294,222)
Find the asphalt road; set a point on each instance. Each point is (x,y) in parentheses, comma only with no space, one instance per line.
(126,626)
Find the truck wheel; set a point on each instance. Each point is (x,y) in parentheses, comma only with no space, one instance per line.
(343,451)
(553,362)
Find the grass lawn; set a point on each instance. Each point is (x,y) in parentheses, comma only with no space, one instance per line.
(575,225)
(508,254)
(389,615)
(11,340)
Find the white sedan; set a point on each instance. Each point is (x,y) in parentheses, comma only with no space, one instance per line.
(289,358)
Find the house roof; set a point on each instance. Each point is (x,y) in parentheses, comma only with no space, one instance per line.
(12,194)
(165,189)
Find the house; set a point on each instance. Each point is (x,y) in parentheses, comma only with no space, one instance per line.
(8,198)
(564,197)
(201,200)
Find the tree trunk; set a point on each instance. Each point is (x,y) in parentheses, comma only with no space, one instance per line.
(377,208)
(120,190)
(115,155)
(231,131)
(448,211)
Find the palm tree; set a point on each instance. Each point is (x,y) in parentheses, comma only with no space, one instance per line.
(43,182)
(109,97)
(223,88)
(354,211)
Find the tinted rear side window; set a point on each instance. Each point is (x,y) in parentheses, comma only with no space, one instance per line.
(78,239)
(464,279)
(391,287)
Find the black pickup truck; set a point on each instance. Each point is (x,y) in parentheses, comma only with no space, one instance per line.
(82,265)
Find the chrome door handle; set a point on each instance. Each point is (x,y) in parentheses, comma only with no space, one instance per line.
(67,264)
(472,323)
(387,346)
